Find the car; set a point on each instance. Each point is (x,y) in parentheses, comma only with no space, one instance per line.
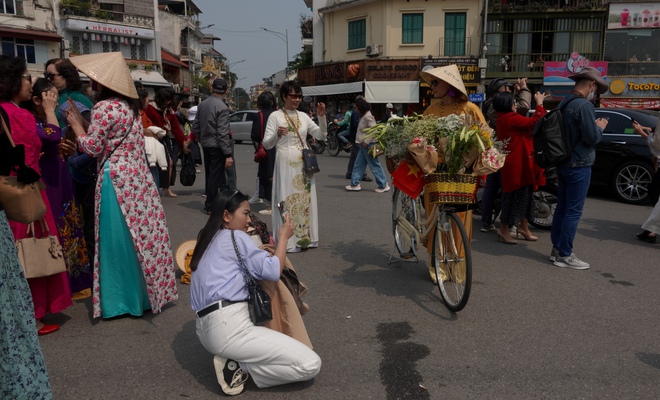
(624,163)
(240,124)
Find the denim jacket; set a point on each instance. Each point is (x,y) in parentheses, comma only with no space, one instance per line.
(579,121)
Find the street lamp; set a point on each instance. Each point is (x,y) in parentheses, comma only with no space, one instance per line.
(285,38)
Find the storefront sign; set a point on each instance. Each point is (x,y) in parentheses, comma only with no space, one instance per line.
(631,103)
(112,29)
(467,66)
(631,87)
(392,70)
(634,16)
(331,73)
(556,73)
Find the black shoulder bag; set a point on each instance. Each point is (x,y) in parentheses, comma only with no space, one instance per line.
(258,300)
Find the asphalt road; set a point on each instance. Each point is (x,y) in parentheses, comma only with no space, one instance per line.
(530,330)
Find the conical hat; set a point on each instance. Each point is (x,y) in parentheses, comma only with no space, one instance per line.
(449,74)
(108,69)
(181,253)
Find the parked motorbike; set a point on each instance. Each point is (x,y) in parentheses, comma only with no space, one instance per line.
(317,145)
(544,202)
(334,144)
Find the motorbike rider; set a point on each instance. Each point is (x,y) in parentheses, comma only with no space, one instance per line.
(523,98)
(345,125)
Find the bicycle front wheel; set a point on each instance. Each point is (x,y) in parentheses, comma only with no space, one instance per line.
(403,208)
(452,259)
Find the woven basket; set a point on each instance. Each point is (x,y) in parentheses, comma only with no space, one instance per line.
(448,188)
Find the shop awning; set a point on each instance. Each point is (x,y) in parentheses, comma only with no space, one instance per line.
(31,34)
(169,59)
(392,92)
(150,78)
(326,90)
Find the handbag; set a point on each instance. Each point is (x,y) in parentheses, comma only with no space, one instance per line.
(310,164)
(20,196)
(258,301)
(188,174)
(260,154)
(40,256)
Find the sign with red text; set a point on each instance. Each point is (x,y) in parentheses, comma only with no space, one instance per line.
(556,73)
(107,29)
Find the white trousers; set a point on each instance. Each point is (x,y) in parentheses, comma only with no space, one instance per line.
(270,357)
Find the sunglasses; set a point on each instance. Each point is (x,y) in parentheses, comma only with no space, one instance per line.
(295,96)
(434,83)
(27,76)
(52,76)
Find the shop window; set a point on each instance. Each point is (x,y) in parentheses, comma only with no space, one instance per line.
(134,52)
(142,48)
(455,34)
(86,46)
(23,48)
(106,47)
(412,28)
(14,7)
(357,34)
(75,44)
(115,46)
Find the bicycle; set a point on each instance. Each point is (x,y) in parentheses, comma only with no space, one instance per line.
(451,258)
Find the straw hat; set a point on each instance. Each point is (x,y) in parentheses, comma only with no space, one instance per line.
(108,69)
(449,74)
(182,252)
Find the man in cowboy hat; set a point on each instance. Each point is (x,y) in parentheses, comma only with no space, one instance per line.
(583,131)
(211,126)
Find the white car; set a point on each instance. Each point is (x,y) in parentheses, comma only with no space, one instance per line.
(240,124)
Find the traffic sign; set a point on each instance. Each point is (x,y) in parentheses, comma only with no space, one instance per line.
(477,97)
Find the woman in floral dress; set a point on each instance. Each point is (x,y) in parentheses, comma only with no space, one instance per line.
(285,130)
(50,294)
(133,266)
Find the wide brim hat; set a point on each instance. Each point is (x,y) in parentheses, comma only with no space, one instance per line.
(181,253)
(591,74)
(108,69)
(448,74)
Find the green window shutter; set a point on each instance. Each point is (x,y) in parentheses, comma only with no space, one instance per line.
(357,34)
(412,28)
(455,34)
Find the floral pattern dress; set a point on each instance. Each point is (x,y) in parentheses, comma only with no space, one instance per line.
(138,198)
(290,184)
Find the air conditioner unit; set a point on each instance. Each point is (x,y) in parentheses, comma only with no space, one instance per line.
(372,50)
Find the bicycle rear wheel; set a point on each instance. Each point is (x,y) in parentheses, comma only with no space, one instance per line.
(452,259)
(403,207)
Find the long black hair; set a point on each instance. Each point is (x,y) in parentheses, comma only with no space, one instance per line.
(229,200)
(70,73)
(11,69)
(503,102)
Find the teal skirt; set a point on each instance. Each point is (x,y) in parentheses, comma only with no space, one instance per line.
(121,280)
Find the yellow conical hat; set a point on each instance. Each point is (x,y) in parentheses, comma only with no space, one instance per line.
(108,69)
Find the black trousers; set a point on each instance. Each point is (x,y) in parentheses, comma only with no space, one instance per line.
(216,179)
(355,150)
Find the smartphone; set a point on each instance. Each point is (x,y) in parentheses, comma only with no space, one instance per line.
(281,206)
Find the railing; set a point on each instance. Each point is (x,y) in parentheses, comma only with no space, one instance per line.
(106,15)
(545,5)
(466,49)
(527,62)
(633,68)
(188,52)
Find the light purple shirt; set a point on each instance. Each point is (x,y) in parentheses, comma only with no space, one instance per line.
(218,275)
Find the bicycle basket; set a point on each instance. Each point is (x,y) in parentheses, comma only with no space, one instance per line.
(448,188)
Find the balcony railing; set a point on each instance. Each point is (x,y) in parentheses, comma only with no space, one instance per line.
(532,6)
(527,62)
(464,50)
(106,15)
(188,52)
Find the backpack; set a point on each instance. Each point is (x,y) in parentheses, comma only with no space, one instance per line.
(551,145)
(188,174)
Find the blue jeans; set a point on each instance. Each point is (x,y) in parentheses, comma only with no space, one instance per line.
(573,183)
(361,161)
(343,136)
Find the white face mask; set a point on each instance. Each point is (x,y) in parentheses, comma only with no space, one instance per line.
(591,94)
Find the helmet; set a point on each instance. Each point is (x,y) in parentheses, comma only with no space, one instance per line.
(496,84)
(389,105)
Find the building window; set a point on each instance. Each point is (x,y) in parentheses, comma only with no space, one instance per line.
(134,52)
(142,48)
(75,45)
(106,47)
(86,46)
(23,48)
(357,34)
(412,28)
(11,7)
(455,34)
(115,45)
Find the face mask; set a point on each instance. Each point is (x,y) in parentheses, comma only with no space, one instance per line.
(591,94)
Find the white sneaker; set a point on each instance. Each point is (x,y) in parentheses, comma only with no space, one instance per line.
(570,262)
(230,375)
(255,200)
(383,190)
(554,254)
(355,188)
